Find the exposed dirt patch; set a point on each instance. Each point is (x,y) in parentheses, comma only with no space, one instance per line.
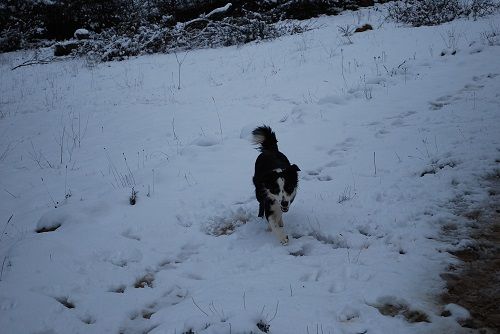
(475,284)
(144,281)
(394,308)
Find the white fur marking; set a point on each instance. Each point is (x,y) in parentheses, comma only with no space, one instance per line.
(276,223)
(282,195)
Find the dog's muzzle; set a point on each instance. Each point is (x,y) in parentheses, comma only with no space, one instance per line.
(284,206)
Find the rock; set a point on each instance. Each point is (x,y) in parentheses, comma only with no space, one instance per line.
(65,48)
(363,28)
(81,34)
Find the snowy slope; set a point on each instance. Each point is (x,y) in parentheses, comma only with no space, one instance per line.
(391,137)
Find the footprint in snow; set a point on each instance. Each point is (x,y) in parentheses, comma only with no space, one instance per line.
(142,320)
(131,235)
(122,258)
(298,250)
(88,319)
(348,314)
(65,301)
(448,99)
(144,281)
(70,305)
(168,264)
(118,288)
(441,102)
(342,147)
(381,133)
(315,175)
(436,166)
(51,221)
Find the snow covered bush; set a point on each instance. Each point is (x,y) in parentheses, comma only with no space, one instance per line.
(424,12)
(202,33)
(479,8)
(491,36)
(433,12)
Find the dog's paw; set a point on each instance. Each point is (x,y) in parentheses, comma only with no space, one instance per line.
(284,241)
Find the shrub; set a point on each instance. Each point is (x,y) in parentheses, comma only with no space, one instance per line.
(111,45)
(433,12)
(424,12)
(479,8)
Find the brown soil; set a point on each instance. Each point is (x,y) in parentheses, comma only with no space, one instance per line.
(475,284)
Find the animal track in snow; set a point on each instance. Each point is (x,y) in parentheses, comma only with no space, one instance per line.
(227,223)
(463,93)
(118,289)
(300,250)
(130,235)
(88,319)
(380,133)
(313,175)
(437,166)
(145,281)
(65,302)
(342,147)
(317,174)
(53,220)
(46,229)
(348,314)
(141,321)
(168,264)
(442,101)
(122,258)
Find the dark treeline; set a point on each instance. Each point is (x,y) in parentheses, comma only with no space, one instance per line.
(28,23)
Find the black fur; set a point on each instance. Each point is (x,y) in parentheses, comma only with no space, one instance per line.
(265,177)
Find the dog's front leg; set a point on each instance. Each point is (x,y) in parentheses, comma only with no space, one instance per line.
(276,222)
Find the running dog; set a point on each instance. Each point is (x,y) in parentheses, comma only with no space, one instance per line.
(275,180)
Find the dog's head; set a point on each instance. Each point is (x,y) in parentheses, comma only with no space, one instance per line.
(282,185)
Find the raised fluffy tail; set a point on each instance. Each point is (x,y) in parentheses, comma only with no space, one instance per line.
(266,138)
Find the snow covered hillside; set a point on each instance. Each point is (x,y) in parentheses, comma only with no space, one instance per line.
(393,134)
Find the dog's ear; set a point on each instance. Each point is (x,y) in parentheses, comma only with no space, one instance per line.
(295,168)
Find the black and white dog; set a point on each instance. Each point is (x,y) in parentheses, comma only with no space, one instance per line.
(275,180)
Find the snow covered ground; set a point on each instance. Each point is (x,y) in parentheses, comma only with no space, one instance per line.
(393,134)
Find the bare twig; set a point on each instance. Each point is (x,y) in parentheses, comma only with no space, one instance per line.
(275,311)
(199,308)
(244,301)
(5,227)
(173,129)
(35,61)
(8,192)
(131,175)
(1,272)
(6,151)
(179,63)
(346,31)
(218,116)
(48,193)
(61,143)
